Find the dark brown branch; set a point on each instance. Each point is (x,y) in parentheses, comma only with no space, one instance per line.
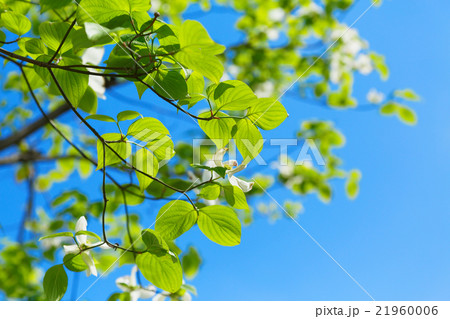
(176,105)
(33,156)
(65,67)
(155,16)
(20,135)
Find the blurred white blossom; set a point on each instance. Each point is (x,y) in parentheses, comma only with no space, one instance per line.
(128,284)
(309,9)
(265,89)
(94,56)
(277,15)
(374,96)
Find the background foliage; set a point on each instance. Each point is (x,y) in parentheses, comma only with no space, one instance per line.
(52,50)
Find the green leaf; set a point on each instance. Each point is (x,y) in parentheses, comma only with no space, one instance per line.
(100,117)
(218,130)
(170,84)
(194,36)
(235,197)
(221,171)
(249,140)
(54,4)
(88,233)
(74,262)
(191,262)
(62,234)
(121,147)
(167,38)
(195,86)
(73,84)
(41,71)
(55,283)
(145,129)
(122,296)
(15,22)
(163,271)
(175,218)
(352,184)
(89,101)
(162,147)
(141,87)
(198,51)
(146,162)
(267,113)
(208,65)
(220,224)
(407,94)
(380,65)
(104,12)
(232,95)
(35,46)
(407,115)
(52,33)
(156,245)
(389,108)
(128,115)
(2,38)
(210,192)
(154,242)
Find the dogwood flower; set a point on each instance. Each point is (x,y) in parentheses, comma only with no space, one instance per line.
(265,89)
(277,15)
(94,56)
(216,161)
(375,97)
(82,243)
(363,64)
(128,284)
(165,294)
(309,9)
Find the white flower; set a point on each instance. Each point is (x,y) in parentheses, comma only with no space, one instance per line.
(225,77)
(164,295)
(273,34)
(156,4)
(285,169)
(53,242)
(277,15)
(216,161)
(129,284)
(94,56)
(351,42)
(186,297)
(233,70)
(374,96)
(311,8)
(363,64)
(82,243)
(265,89)
(161,296)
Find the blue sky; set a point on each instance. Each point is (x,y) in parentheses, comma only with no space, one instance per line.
(394,238)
